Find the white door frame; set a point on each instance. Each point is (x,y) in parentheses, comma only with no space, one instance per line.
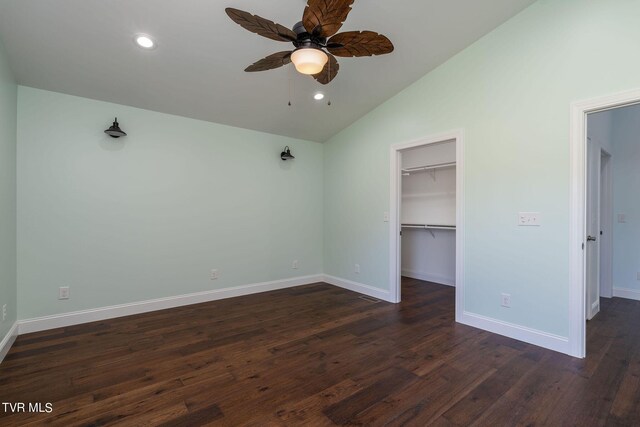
(578,207)
(394,213)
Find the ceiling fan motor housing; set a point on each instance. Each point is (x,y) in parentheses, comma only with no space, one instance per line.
(307,40)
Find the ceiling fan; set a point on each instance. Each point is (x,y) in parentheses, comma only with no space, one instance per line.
(315,39)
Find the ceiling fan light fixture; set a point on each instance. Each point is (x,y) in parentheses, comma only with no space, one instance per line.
(318,31)
(319,96)
(309,60)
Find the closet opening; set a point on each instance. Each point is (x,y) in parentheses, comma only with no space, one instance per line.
(426,216)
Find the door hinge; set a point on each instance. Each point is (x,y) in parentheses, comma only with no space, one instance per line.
(583,246)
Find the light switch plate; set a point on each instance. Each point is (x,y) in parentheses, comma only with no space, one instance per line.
(529,219)
(63,292)
(622,218)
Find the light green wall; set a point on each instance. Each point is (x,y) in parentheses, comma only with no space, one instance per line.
(8,107)
(625,134)
(150,215)
(510,92)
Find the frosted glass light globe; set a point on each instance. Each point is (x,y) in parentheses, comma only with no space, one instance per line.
(309,60)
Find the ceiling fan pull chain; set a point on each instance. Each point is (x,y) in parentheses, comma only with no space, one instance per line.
(329,100)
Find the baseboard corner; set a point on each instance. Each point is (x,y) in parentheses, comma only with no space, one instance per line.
(8,340)
(360,288)
(433,278)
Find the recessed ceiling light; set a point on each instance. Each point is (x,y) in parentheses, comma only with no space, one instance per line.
(318,96)
(145,41)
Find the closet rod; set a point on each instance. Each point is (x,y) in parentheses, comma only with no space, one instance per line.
(431,167)
(429,226)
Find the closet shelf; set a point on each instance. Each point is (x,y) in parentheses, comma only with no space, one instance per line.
(429,168)
(430,226)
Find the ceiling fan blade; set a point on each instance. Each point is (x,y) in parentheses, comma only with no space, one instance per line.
(275,60)
(329,72)
(359,43)
(325,17)
(261,26)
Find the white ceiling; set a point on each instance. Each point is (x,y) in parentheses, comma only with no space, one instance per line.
(85,48)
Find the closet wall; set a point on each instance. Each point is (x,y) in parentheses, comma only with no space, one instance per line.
(428,213)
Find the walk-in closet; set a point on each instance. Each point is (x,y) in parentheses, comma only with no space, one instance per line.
(428,213)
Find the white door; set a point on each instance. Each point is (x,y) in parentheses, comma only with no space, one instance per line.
(592,239)
(606,225)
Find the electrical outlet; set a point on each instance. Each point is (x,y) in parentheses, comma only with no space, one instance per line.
(295,264)
(4,311)
(357,268)
(214,274)
(529,219)
(63,292)
(506,300)
(622,218)
(386,217)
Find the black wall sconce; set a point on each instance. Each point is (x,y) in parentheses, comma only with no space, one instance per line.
(286,154)
(114,131)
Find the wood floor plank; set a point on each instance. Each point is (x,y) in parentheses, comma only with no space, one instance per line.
(348,409)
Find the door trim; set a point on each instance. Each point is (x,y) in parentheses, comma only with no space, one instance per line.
(394,213)
(577,208)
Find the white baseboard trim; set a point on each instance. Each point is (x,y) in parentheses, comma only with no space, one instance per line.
(360,288)
(626,293)
(521,333)
(529,335)
(434,278)
(92,315)
(7,341)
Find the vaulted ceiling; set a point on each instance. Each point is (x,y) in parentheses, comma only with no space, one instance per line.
(86,48)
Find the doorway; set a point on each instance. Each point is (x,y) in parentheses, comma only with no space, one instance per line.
(435,156)
(593,237)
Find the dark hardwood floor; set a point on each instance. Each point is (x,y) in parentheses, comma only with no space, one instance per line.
(318,355)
